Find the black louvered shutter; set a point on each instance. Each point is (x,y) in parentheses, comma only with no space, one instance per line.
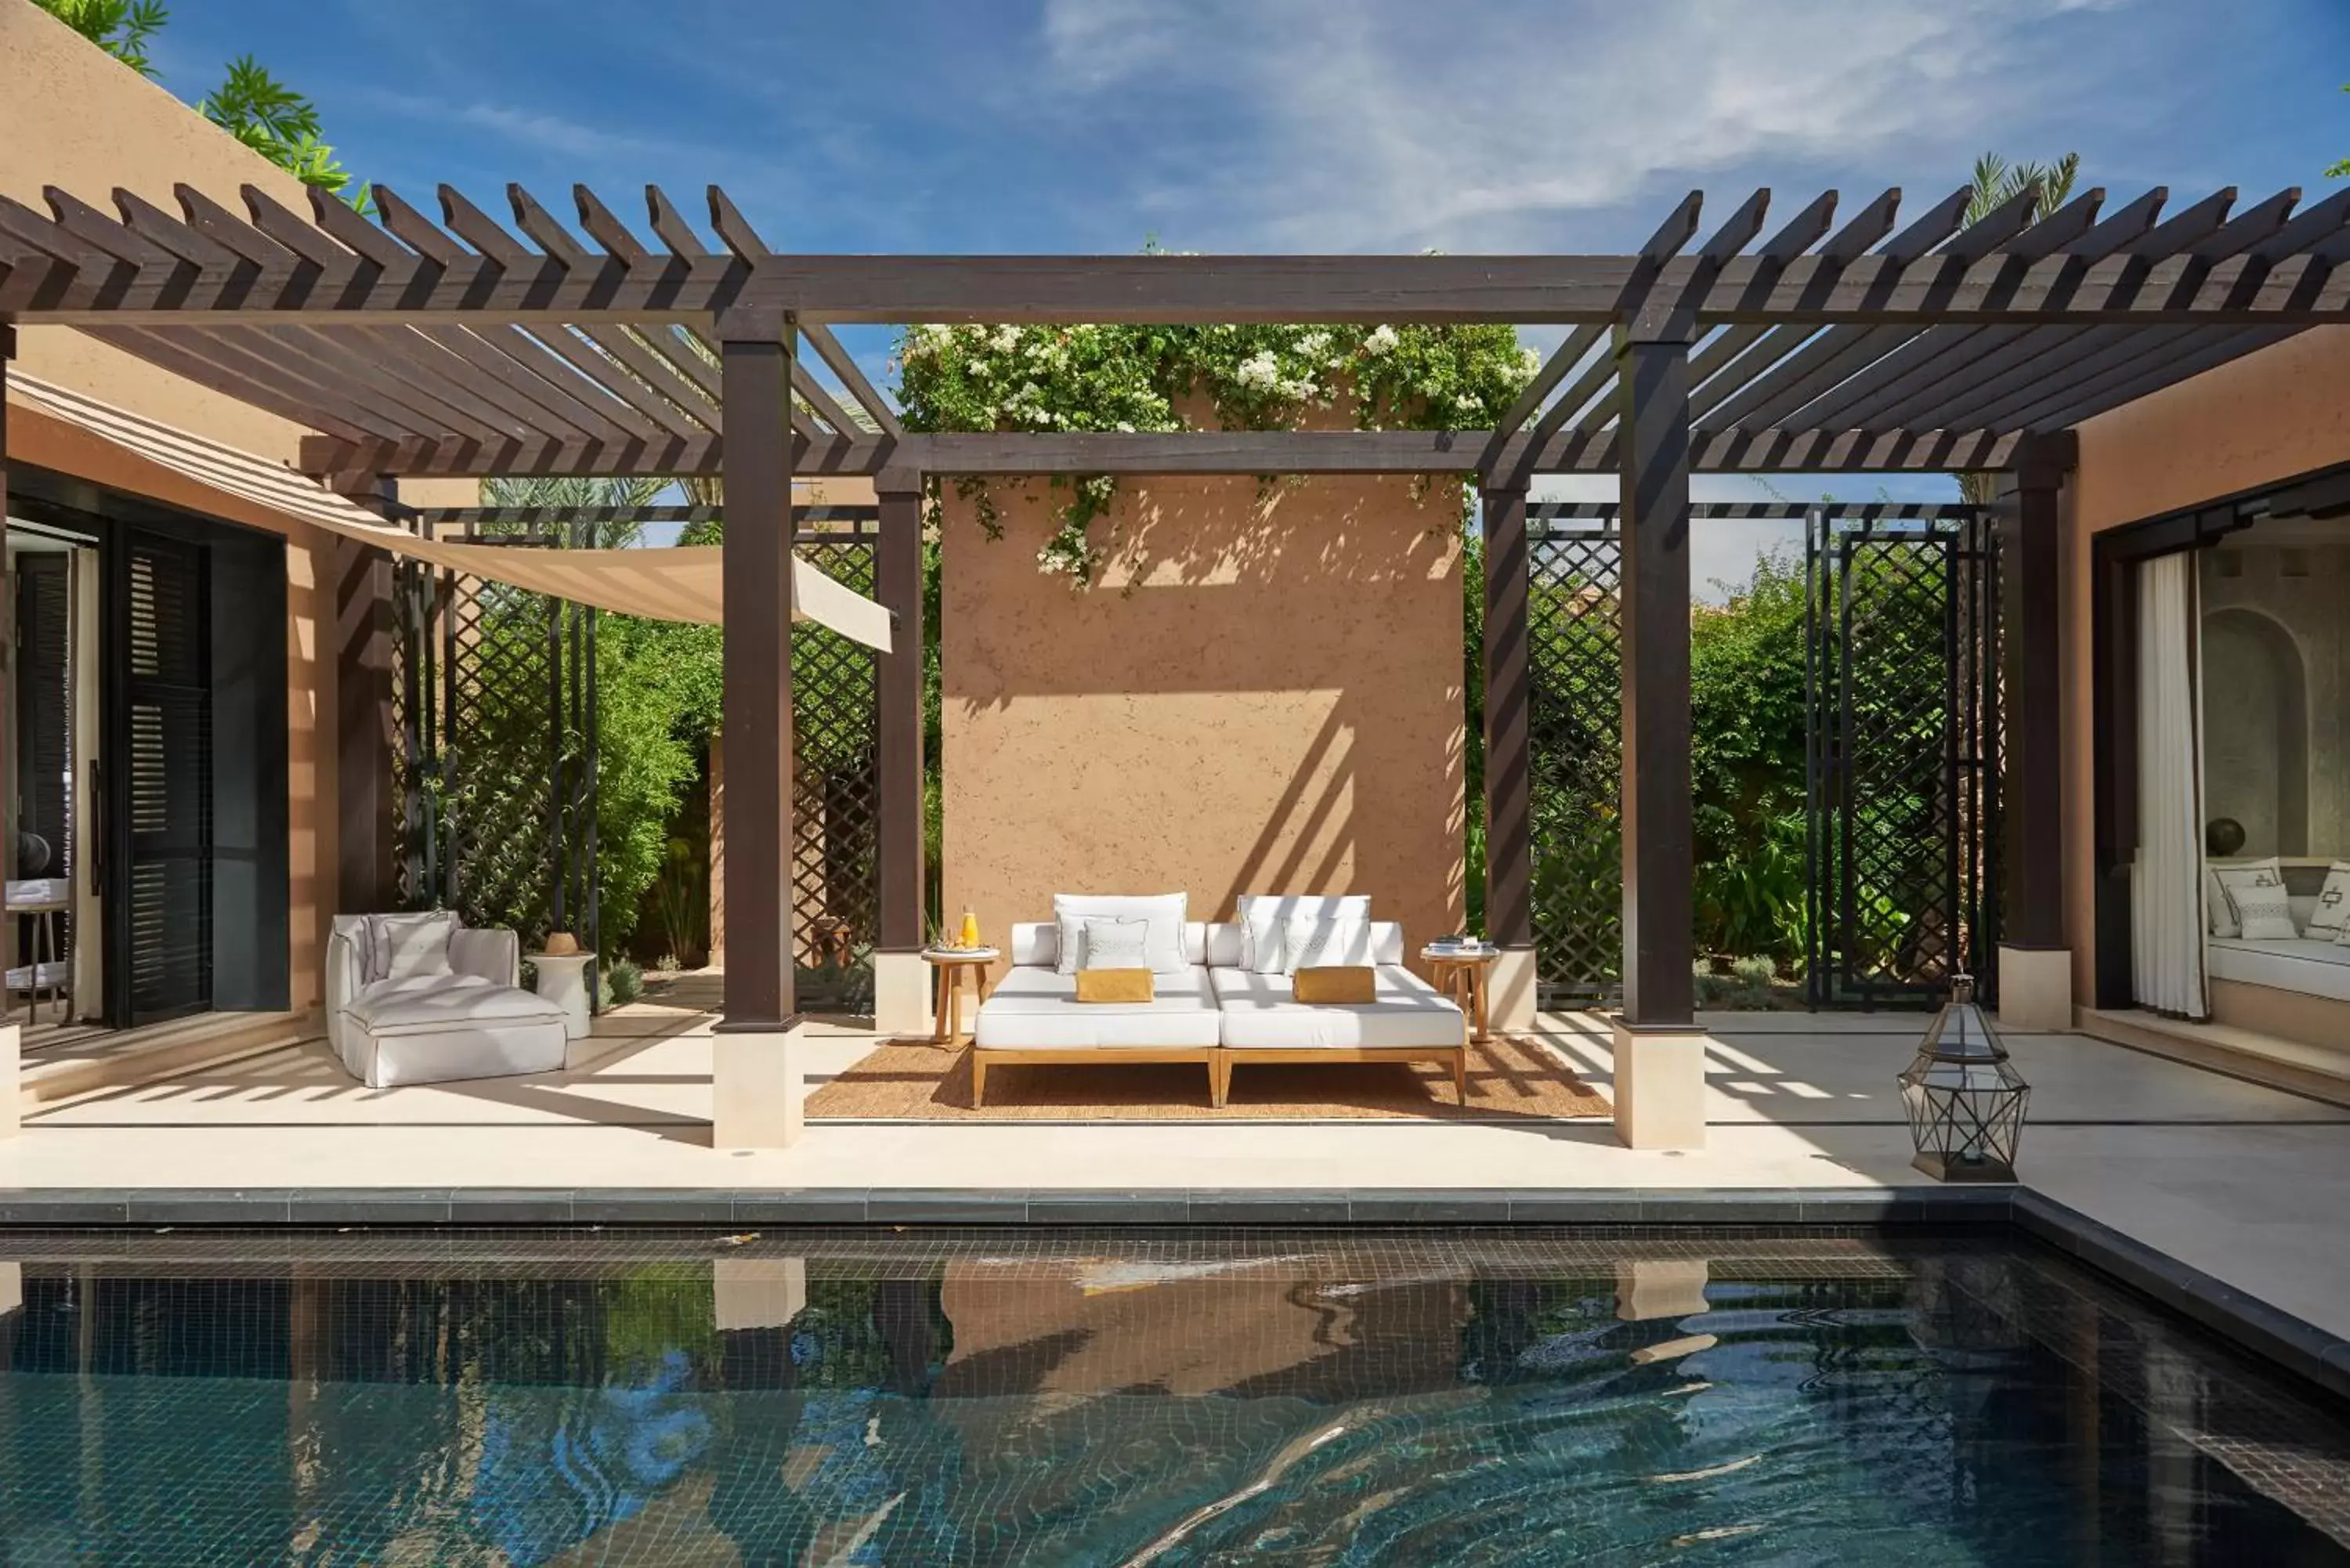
(44,708)
(164,905)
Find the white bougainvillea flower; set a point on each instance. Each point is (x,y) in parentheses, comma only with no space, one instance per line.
(1382,339)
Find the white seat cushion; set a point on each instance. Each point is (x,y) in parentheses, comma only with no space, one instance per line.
(2315,966)
(1035,1008)
(437,1002)
(1261,1012)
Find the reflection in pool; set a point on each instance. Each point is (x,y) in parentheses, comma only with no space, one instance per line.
(1157,1398)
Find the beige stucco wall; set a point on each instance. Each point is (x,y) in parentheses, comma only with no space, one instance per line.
(1263,694)
(2264,417)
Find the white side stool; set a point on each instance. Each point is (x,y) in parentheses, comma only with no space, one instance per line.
(563,980)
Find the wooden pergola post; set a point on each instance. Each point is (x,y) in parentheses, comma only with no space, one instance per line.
(1509,817)
(11,1057)
(755,1081)
(900,980)
(1659,1052)
(367,748)
(2035,962)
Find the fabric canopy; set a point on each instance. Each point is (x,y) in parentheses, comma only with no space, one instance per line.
(681,583)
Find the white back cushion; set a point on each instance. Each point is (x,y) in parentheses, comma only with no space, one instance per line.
(1386,942)
(1115,944)
(1317,942)
(2220,904)
(1264,922)
(2331,913)
(404,947)
(1225,940)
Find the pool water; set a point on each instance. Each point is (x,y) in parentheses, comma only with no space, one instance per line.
(1153,1398)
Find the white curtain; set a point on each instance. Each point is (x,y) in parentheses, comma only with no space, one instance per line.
(2166,887)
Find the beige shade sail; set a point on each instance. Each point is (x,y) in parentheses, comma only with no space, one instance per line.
(681,583)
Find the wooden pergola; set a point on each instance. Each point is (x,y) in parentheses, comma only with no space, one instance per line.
(469,346)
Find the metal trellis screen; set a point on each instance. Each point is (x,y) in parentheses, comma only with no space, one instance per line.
(495,702)
(1576,757)
(1902,757)
(836,806)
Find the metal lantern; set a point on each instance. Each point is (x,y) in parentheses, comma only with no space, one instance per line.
(1965,1098)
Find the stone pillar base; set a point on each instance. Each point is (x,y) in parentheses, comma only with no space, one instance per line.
(757,1292)
(1661,1088)
(1510,992)
(901,995)
(754,1088)
(2035,990)
(12,1287)
(12,1080)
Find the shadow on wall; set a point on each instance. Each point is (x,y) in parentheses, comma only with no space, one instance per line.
(1260,692)
(2256,730)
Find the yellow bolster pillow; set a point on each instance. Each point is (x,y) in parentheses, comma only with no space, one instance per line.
(1113,985)
(1335,985)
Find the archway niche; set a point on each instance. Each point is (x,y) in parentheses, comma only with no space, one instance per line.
(2256,730)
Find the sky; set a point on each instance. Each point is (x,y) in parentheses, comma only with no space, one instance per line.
(1464,126)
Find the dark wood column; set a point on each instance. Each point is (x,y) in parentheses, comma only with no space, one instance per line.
(2031,805)
(8,689)
(756,378)
(1509,839)
(1658,848)
(899,582)
(367,747)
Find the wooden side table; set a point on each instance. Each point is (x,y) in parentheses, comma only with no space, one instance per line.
(951,965)
(1461,974)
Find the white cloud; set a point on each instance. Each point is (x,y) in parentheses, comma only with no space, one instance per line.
(1476,126)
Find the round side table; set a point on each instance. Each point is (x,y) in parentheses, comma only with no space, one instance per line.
(953,964)
(1460,972)
(563,980)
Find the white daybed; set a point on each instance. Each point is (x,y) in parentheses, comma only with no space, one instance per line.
(1034,1015)
(1215,1012)
(2311,965)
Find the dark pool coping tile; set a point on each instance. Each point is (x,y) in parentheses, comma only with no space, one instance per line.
(2266,1330)
(1429,1206)
(208,1206)
(511,1206)
(65,1206)
(946,1206)
(801,1206)
(1720,1205)
(371,1206)
(1267,1206)
(651,1205)
(1079,1206)
(1569,1205)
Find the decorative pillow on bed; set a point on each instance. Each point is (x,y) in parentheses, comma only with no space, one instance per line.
(2219,901)
(1336,985)
(2263,910)
(1163,912)
(1264,920)
(1116,944)
(2333,912)
(1322,942)
(1116,985)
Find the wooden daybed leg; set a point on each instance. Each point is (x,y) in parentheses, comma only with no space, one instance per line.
(1220,1079)
(978,1079)
(1460,1077)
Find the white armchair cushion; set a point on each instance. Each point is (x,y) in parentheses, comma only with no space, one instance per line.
(1164,913)
(404,947)
(1264,922)
(495,954)
(1226,942)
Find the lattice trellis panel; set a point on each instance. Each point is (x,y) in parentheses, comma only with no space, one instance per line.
(1903,764)
(494,699)
(1577,759)
(836,808)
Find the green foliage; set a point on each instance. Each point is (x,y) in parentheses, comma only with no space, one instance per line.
(250,104)
(120,27)
(624,982)
(1144,379)
(1747,732)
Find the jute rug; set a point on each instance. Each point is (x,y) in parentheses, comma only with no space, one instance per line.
(911,1080)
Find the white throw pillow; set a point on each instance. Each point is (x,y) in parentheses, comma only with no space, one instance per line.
(404,947)
(2263,910)
(2333,912)
(1315,941)
(2219,905)
(1264,923)
(1117,944)
(1163,912)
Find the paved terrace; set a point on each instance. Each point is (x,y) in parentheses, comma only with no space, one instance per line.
(2243,1183)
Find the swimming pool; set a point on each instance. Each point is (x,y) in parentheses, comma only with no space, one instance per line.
(1165,1397)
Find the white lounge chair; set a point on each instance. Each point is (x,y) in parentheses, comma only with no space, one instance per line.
(1407,1019)
(473,1021)
(1034,1015)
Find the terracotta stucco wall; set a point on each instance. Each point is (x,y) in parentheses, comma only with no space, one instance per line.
(2264,417)
(1263,694)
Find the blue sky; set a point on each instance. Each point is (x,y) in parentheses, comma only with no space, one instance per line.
(1288,124)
